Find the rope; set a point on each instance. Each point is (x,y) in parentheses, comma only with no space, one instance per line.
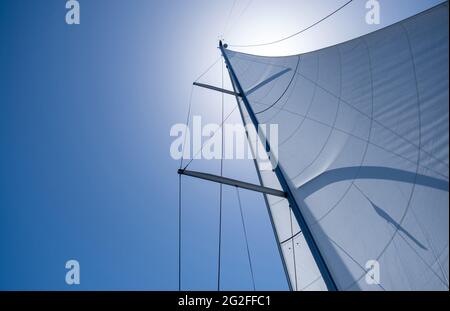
(293,248)
(190,107)
(239,17)
(208,69)
(221,195)
(179,232)
(228,18)
(298,32)
(246,239)
(187,125)
(213,135)
(180,193)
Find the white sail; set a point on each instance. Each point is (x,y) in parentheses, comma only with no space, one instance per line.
(301,269)
(363,144)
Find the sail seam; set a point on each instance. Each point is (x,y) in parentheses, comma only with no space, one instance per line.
(284,92)
(322,265)
(366,115)
(357,137)
(332,126)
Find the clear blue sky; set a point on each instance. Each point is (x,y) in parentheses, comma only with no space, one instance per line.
(85,114)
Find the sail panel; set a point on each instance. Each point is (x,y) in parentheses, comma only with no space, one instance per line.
(300,266)
(363,144)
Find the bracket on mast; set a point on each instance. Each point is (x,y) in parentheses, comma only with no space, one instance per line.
(233,182)
(218,89)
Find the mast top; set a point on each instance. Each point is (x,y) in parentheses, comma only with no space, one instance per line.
(224,45)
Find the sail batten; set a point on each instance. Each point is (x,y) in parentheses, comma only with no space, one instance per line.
(363,132)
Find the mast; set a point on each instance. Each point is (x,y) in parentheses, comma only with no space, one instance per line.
(266,201)
(321,264)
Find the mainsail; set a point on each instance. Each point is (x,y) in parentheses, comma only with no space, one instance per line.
(363,149)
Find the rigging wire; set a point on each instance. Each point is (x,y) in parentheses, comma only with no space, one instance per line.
(297,33)
(180,193)
(221,194)
(246,239)
(179,231)
(238,18)
(223,121)
(229,16)
(293,248)
(179,176)
(208,69)
(212,136)
(187,125)
(190,106)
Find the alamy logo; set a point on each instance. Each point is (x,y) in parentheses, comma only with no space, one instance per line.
(373,13)
(73,275)
(373,272)
(73,13)
(205,142)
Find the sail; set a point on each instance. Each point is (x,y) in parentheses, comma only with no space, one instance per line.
(363,145)
(301,269)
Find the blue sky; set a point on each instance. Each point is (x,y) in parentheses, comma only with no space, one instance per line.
(85,115)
